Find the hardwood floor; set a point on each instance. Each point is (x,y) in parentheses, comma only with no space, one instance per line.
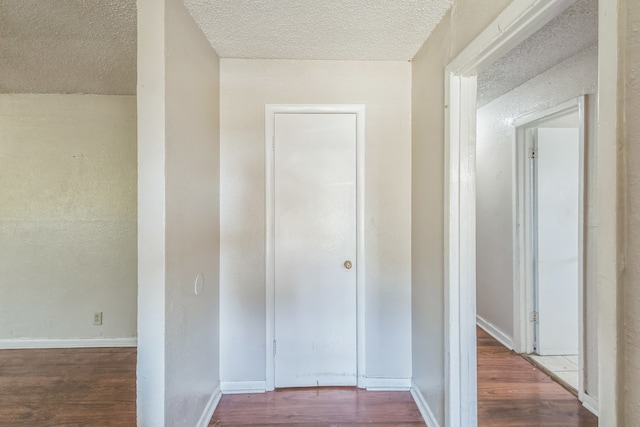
(96,387)
(512,392)
(316,407)
(68,387)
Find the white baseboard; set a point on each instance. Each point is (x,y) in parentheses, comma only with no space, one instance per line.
(210,408)
(591,404)
(495,332)
(16,344)
(424,408)
(388,384)
(237,387)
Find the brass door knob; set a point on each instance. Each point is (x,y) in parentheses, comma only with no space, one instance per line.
(348,265)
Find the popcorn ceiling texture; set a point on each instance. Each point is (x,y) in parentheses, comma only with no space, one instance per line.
(312,29)
(89,46)
(68,46)
(575,30)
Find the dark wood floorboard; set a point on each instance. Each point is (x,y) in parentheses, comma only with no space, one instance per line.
(316,407)
(96,387)
(68,387)
(512,392)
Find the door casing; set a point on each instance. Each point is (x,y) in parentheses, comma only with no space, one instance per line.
(270,111)
(520,19)
(523,256)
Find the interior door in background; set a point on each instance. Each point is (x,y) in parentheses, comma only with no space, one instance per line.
(315,250)
(557,158)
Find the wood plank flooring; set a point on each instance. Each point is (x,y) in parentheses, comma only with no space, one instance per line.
(96,387)
(512,392)
(68,387)
(316,407)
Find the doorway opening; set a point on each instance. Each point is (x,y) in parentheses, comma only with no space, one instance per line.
(549,290)
(515,24)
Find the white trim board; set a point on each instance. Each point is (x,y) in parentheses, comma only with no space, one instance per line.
(210,408)
(270,111)
(423,407)
(17,344)
(591,404)
(496,333)
(522,240)
(239,387)
(519,20)
(372,384)
(388,384)
(611,21)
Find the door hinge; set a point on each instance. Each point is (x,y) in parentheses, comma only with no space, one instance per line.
(532,153)
(274,347)
(534,316)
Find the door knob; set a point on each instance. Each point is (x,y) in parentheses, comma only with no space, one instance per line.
(348,265)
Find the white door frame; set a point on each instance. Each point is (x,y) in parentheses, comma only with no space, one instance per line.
(270,111)
(518,21)
(523,303)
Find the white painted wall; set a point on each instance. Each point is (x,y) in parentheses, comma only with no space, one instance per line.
(178,91)
(192,217)
(384,88)
(67,217)
(631,294)
(466,19)
(494,186)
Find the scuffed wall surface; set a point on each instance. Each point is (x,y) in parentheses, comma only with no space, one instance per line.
(67,216)
(631,291)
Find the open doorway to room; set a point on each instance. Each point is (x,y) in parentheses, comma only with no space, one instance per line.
(542,195)
(549,190)
(530,239)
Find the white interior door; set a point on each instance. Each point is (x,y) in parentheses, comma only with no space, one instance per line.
(315,235)
(557,168)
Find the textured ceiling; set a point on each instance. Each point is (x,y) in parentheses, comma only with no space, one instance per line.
(566,35)
(89,46)
(68,46)
(318,29)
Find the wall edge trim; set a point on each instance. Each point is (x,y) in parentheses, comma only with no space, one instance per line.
(210,408)
(423,406)
(237,387)
(591,404)
(388,384)
(17,344)
(495,332)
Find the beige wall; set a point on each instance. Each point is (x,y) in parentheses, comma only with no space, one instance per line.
(384,88)
(178,91)
(631,275)
(465,20)
(67,217)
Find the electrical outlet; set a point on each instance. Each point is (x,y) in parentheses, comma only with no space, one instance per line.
(97,318)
